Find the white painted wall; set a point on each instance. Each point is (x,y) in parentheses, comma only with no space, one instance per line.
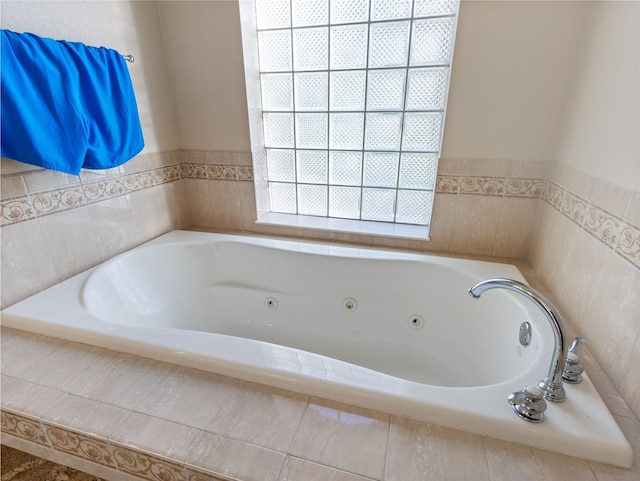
(131,27)
(511,70)
(204,53)
(601,131)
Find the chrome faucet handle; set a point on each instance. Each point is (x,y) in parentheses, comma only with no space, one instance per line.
(529,404)
(573,369)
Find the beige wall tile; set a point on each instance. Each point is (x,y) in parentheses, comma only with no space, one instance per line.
(475,224)
(28,398)
(118,379)
(227,209)
(247,197)
(524,169)
(85,415)
(538,254)
(631,389)
(44,179)
(155,435)
(71,241)
(228,158)
(509,461)
(114,227)
(583,260)
(608,392)
(631,429)
(596,290)
(175,206)
(450,166)
(633,210)
(10,166)
(190,397)
(27,266)
(578,182)
(194,156)
(22,350)
(70,365)
(164,159)
(485,167)
(235,459)
(180,211)
(419,451)
(198,202)
(554,240)
(442,221)
(360,240)
(260,415)
(345,437)
(611,319)
(12,186)
(610,197)
(151,211)
(139,163)
(516,227)
(87,176)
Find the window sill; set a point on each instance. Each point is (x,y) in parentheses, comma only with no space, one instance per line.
(418,232)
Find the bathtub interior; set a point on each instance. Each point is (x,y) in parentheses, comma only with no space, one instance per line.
(359,310)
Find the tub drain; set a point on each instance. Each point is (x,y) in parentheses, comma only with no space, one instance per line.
(271,303)
(416,321)
(349,304)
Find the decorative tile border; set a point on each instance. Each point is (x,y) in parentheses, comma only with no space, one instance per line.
(146,466)
(40,204)
(629,243)
(574,207)
(23,427)
(530,188)
(16,210)
(493,186)
(79,445)
(217,172)
(97,450)
(617,233)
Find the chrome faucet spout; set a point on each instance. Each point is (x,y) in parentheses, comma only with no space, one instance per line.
(551,385)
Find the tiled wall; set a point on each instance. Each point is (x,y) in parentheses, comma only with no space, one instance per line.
(483,207)
(56,225)
(587,253)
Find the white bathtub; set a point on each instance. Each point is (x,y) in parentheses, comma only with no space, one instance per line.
(385,330)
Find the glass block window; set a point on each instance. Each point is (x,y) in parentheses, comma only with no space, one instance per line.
(353,96)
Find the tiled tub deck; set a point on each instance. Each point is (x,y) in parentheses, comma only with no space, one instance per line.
(124,417)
